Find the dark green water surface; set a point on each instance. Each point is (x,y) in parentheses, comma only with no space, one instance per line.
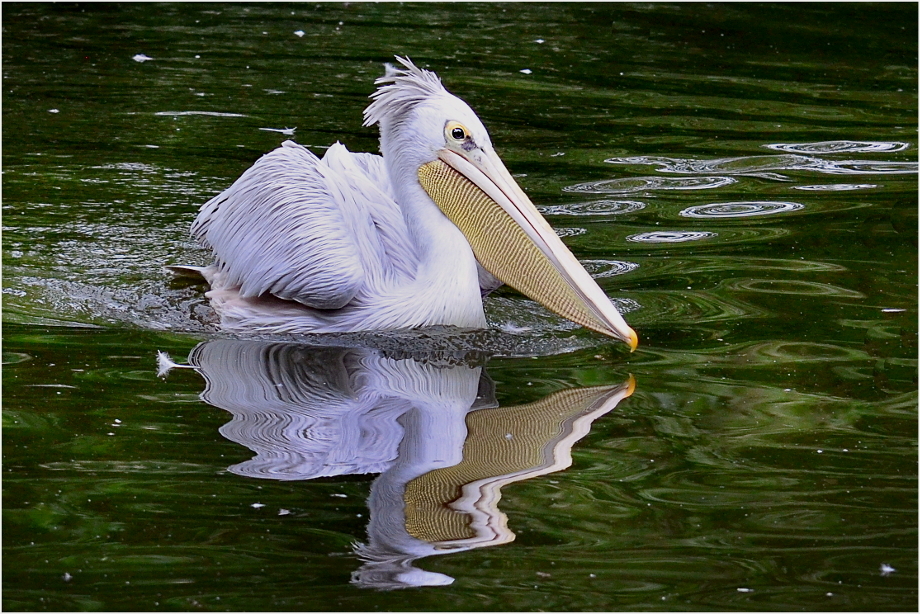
(741,179)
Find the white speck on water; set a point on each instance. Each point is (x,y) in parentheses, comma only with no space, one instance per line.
(299,33)
(745,590)
(526,71)
(339,495)
(67,577)
(53,111)
(540,41)
(197,57)
(117,421)
(140,57)
(820,451)
(887,569)
(283,512)
(258,505)
(557,154)
(829,594)
(892,310)
(110,433)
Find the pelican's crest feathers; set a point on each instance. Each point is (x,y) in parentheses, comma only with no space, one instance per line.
(403,88)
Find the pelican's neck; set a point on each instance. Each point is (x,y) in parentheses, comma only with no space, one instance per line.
(446,284)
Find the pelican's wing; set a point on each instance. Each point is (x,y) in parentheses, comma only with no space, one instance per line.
(364,189)
(294,228)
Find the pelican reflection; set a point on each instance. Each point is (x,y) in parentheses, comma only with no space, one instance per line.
(431,428)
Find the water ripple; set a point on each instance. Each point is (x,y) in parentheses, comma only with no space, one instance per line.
(208,113)
(596,207)
(740,209)
(759,166)
(695,307)
(870,167)
(608,268)
(835,187)
(830,147)
(570,232)
(794,287)
(669,236)
(638,184)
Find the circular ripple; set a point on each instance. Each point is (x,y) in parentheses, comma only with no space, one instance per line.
(596,207)
(869,167)
(828,147)
(740,209)
(664,236)
(608,268)
(640,184)
(793,287)
(835,187)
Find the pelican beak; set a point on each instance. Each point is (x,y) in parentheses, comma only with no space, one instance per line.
(514,242)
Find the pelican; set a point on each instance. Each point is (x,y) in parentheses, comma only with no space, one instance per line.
(412,238)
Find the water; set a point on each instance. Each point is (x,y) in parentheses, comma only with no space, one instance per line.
(741,179)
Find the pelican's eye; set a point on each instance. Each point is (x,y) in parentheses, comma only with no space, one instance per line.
(456,131)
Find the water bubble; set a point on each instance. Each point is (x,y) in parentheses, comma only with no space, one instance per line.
(665,236)
(740,209)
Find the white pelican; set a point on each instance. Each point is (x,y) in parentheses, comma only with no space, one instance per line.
(413,238)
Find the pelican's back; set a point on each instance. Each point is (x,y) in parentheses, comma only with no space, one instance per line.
(297,229)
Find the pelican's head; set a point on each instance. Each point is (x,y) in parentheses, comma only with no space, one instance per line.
(426,128)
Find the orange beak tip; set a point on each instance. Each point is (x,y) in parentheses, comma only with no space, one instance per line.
(630,385)
(633,340)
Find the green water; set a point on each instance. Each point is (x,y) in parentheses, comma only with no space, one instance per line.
(742,179)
